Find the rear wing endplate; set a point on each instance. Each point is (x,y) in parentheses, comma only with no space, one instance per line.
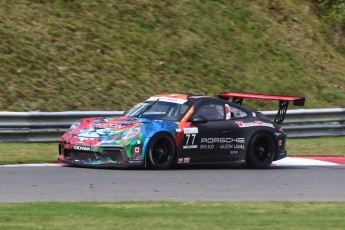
(283,101)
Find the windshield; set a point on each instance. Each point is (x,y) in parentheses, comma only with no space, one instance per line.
(159,110)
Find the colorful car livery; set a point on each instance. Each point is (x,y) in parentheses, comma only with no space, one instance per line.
(170,129)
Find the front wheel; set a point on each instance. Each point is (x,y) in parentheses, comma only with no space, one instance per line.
(161,152)
(261,150)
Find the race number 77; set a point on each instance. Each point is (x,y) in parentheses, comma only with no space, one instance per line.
(192,139)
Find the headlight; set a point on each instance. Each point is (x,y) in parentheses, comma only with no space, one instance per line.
(131,132)
(74,125)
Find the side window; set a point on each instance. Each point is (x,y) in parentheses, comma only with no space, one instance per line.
(235,112)
(212,112)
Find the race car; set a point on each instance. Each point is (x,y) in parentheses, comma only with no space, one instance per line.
(180,129)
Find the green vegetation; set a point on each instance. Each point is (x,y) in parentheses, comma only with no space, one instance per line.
(107,55)
(20,153)
(26,153)
(323,146)
(333,14)
(169,215)
(331,11)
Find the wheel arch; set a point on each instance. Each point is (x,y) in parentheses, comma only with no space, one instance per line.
(148,140)
(266,132)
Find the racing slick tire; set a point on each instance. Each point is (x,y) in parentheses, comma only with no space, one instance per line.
(261,151)
(161,152)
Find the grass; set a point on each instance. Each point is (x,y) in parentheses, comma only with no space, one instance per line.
(108,55)
(18,153)
(25,153)
(173,215)
(325,146)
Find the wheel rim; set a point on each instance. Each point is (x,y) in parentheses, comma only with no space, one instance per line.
(263,150)
(162,152)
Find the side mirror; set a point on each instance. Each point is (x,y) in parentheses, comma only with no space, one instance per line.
(199,120)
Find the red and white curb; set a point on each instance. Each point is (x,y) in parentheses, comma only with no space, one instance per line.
(310,161)
(288,161)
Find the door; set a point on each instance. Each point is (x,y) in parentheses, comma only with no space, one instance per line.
(216,139)
(198,143)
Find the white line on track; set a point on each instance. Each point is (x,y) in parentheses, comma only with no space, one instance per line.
(32,165)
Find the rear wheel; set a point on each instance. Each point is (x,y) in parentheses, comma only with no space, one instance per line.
(261,150)
(161,152)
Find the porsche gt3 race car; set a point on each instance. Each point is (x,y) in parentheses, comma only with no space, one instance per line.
(170,129)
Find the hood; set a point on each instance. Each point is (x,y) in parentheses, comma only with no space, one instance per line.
(103,125)
(97,128)
(119,131)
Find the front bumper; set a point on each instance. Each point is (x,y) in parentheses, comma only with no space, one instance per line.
(105,157)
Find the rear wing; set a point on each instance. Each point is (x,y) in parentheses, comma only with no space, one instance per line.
(283,101)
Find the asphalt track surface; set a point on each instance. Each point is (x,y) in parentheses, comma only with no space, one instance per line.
(282,182)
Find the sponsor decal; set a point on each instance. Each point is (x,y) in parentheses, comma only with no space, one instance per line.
(134,162)
(198,96)
(238,146)
(229,140)
(186,160)
(254,114)
(234,152)
(102,120)
(107,142)
(231,146)
(191,130)
(136,150)
(280,142)
(102,125)
(206,146)
(168,99)
(222,143)
(138,142)
(136,156)
(183,160)
(178,130)
(190,147)
(82,148)
(242,124)
(278,134)
(136,153)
